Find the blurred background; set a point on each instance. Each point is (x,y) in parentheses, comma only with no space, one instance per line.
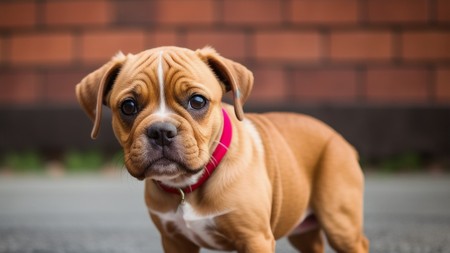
(376,70)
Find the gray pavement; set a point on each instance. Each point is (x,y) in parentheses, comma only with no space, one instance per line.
(107,214)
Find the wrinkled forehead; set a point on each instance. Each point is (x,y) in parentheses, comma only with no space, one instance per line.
(166,62)
(163,72)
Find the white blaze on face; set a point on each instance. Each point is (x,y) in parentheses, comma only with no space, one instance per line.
(162,111)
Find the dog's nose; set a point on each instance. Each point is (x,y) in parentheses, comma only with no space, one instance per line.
(162,133)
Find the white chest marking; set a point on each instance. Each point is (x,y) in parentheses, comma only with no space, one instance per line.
(162,111)
(192,225)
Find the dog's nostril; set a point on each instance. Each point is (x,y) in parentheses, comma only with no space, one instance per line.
(161,133)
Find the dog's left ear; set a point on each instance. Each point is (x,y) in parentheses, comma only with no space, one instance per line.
(93,89)
(235,77)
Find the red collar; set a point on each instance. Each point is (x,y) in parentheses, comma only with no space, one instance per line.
(216,157)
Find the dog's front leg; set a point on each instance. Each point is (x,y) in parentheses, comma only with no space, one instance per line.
(257,244)
(178,244)
(173,242)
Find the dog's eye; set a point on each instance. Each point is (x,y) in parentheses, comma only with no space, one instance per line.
(129,107)
(197,102)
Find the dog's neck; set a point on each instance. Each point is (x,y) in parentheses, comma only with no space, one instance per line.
(214,161)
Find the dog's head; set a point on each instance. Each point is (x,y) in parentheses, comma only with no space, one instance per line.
(166,107)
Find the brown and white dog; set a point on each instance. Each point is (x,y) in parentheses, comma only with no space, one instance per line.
(218,179)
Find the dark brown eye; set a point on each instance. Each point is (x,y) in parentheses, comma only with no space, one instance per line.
(197,102)
(129,107)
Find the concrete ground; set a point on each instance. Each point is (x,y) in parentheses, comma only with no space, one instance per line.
(409,213)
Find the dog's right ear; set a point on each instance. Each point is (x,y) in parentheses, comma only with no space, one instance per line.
(93,89)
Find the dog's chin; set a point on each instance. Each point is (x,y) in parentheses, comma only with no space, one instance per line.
(162,168)
(165,170)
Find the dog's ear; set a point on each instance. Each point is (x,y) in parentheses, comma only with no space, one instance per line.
(93,89)
(235,77)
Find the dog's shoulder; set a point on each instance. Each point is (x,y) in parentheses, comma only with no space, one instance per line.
(293,133)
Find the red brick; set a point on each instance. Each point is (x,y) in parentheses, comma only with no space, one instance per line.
(361,45)
(397,85)
(161,38)
(443,85)
(426,45)
(397,11)
(2,50)
(19,87)
(228,44)
(184,12)
(325,85)
(252,12)
(17,14)
(133,12)
(59,86)
(324,11)
(101,46)
(42,48)
(270,86)
(288,46)
(77,12)
(443,10)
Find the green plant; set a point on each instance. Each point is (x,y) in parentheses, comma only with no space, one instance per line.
(29,161)
(404,162)
(83,161)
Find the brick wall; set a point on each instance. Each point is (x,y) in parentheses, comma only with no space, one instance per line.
(376,70)
(301,51)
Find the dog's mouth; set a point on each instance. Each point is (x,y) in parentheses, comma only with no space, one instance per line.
(162,162)
(166,168)
(162,167)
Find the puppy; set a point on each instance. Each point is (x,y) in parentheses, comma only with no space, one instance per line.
(219,179)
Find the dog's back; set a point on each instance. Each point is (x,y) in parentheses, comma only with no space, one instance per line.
(304,136)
